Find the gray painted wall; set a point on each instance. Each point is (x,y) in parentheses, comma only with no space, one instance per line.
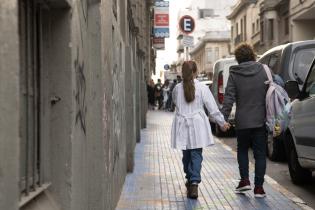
(9,105)
(90,61)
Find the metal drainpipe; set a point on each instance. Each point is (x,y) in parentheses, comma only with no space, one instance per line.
(27,97)
(35,89)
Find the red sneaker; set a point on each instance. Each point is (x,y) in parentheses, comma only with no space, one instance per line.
(259,192)
(243,186)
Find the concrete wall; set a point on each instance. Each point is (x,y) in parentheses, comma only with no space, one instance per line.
(96,63)
(9,106)
(302,20)
(57,66)
(297,7)
(114,60)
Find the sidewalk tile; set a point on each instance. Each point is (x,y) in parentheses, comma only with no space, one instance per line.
(158,179)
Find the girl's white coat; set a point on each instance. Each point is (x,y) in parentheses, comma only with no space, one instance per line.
(191,128)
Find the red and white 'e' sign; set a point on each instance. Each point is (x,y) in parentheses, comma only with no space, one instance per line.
(187,24)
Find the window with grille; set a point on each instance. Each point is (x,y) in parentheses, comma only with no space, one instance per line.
(242,30)
(253,28)
(245,28)
(257,25)
(209,55)
(286,26)
(271,29)
(262,37)
(30,97)
(232,32)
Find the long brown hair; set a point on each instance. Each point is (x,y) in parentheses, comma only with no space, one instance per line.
(188,70)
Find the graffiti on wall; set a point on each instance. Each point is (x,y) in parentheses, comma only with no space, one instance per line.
(80,95)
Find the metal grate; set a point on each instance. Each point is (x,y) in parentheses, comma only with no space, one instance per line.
(30,60)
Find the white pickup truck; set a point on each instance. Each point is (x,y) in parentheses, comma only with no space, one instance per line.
(221,72)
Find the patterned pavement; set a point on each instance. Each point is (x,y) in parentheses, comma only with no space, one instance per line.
(158,179)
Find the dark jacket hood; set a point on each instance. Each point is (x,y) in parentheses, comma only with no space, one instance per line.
(246,69)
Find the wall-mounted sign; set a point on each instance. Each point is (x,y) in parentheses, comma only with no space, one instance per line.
(161,19)
(187,24)
(159,43)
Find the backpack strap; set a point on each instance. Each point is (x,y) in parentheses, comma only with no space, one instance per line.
(268,72)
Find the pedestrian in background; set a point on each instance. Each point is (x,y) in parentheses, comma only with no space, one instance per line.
(246,86)
(191,131)
(179,79)
(165,92)
(170,99)
(158,93)
(151,98)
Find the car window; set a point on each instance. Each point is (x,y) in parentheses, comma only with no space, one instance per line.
(310,85)
(274,63)
(264,60)
(302,62)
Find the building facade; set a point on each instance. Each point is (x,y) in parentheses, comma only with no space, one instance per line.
(212,47)
(73,100)
(210,18)
(269,23)
(245,23)
(302,17)
(275,23)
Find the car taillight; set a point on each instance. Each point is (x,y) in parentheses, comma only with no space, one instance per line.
(220,88)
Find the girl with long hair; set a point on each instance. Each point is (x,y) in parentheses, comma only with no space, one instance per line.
(191,131)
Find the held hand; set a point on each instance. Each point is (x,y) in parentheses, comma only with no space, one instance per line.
(226,127)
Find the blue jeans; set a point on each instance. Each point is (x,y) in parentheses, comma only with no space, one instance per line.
(192,159)
(257,138)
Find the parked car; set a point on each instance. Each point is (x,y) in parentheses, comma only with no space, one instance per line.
(290,61)
(208,83)
(300,136)
(221,74)
(205,81)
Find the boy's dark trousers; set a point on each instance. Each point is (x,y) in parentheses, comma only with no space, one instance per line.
(257,138)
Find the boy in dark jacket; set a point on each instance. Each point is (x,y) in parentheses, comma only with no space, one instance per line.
(247,89)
